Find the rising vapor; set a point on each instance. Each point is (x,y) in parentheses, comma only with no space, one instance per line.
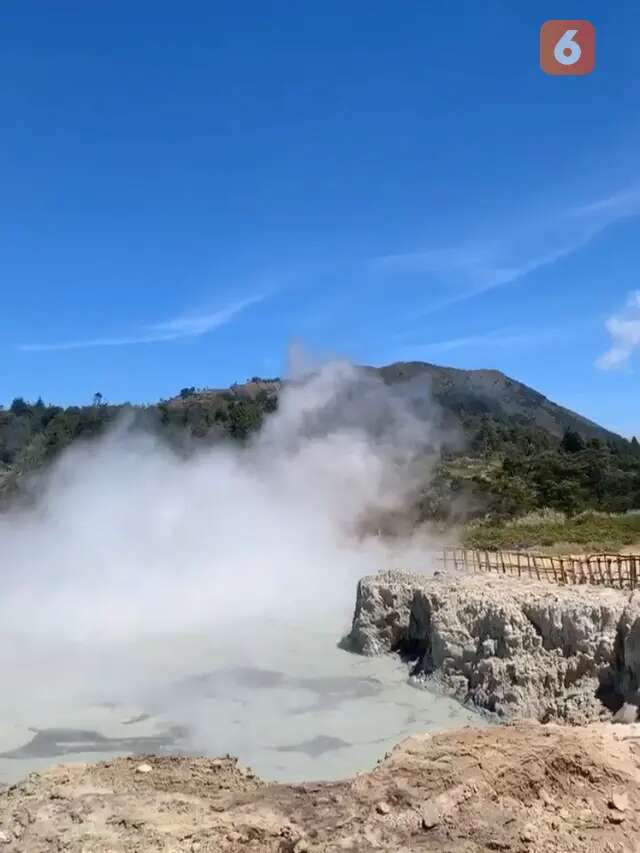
(132,547)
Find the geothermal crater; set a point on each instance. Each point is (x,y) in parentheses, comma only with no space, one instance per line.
(510,648)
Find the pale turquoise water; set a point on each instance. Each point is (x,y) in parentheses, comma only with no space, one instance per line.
(286,700)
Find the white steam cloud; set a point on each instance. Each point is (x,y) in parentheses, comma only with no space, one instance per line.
(129,538)
(131,543)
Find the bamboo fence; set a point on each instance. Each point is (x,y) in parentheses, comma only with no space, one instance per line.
(619,571)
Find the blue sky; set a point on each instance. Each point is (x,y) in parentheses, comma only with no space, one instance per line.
(187,189)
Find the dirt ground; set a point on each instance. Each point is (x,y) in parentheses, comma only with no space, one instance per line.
(523,787)
(575,549)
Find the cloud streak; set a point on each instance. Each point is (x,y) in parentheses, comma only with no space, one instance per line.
(624,329)
(472,269)
(187,326)
(497,338)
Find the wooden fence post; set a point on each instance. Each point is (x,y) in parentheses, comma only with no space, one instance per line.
(618,571)
(535,565)
(563,574)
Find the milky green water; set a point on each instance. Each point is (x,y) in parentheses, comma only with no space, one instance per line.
(286,700)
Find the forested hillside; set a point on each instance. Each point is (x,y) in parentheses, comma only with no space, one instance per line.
(512,450)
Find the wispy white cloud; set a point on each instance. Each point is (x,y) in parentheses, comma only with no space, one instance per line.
(495,339)
(471,269)
(624,329)
(498,338)
(187,326)
(624,203)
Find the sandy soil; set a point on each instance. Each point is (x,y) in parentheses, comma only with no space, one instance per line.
(575,549)
(523,787)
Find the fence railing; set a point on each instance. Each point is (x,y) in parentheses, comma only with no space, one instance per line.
(619,571)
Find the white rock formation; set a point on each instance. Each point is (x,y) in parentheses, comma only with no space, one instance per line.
(517,648)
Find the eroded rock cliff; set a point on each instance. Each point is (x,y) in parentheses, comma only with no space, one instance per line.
(516,648)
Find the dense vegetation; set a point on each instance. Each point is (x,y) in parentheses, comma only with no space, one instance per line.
(524,488)
(512,470)
(33,434)
(511,452)
(589,531)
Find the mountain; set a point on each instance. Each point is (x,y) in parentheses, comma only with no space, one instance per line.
(507,448)
(461,397)
(465,393)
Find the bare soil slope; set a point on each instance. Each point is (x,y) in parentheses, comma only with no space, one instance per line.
(523,787)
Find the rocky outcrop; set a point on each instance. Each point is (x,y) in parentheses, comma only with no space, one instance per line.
(523,788)
(515,648)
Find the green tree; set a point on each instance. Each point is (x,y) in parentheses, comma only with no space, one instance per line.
(244,418)
(572,442)
(19,406)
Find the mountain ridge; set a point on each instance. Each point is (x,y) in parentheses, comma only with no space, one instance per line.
(485,390)
(483,383)
(504,448)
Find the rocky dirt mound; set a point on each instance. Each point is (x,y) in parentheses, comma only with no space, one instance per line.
(523,787)
(517,648)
